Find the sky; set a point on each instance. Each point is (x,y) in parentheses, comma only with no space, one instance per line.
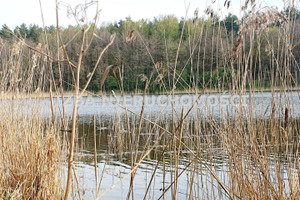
(15,12)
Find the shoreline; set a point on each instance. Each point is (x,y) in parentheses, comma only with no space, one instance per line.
(42,95)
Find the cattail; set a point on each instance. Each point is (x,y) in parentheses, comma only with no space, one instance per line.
(286,117)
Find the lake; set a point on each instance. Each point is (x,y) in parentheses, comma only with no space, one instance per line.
(205,149)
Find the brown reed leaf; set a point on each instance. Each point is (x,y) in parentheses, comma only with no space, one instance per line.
(105,75)
(239,43)
(115,75)
(115,68)
(143,77)
(131,36)
(297,44)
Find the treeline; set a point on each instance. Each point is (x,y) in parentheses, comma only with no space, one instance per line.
(169,52)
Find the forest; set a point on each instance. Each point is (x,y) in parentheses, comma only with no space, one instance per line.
(146,48)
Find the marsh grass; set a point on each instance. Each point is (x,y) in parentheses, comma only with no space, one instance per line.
(252,154)
(254,166)
(29,154)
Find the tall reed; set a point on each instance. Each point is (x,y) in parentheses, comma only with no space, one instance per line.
(29,154)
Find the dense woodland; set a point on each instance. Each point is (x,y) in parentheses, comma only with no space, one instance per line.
(146,48)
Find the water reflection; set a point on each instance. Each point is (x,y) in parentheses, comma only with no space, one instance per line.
(232,140)
(204,138)
(216,105)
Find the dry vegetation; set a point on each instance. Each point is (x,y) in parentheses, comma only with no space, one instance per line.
(29,154)
(261,155)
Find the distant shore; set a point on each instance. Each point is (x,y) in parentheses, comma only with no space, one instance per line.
(21,95)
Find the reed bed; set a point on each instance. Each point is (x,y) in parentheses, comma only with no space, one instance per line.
(29,154)
(252,160)
(246,152)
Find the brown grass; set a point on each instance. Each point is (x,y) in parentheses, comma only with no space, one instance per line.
(29,156)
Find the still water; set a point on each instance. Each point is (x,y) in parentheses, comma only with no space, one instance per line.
(206,106)
(117,119)
(114,155)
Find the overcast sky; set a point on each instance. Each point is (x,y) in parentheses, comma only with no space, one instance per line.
(16,12)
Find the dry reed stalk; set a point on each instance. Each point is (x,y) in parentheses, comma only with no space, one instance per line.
(137,140)
(84,47)
(95,154)
(164,178)
(74,118)
(177,157)
(186,167)
(78,187)
(63,119)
